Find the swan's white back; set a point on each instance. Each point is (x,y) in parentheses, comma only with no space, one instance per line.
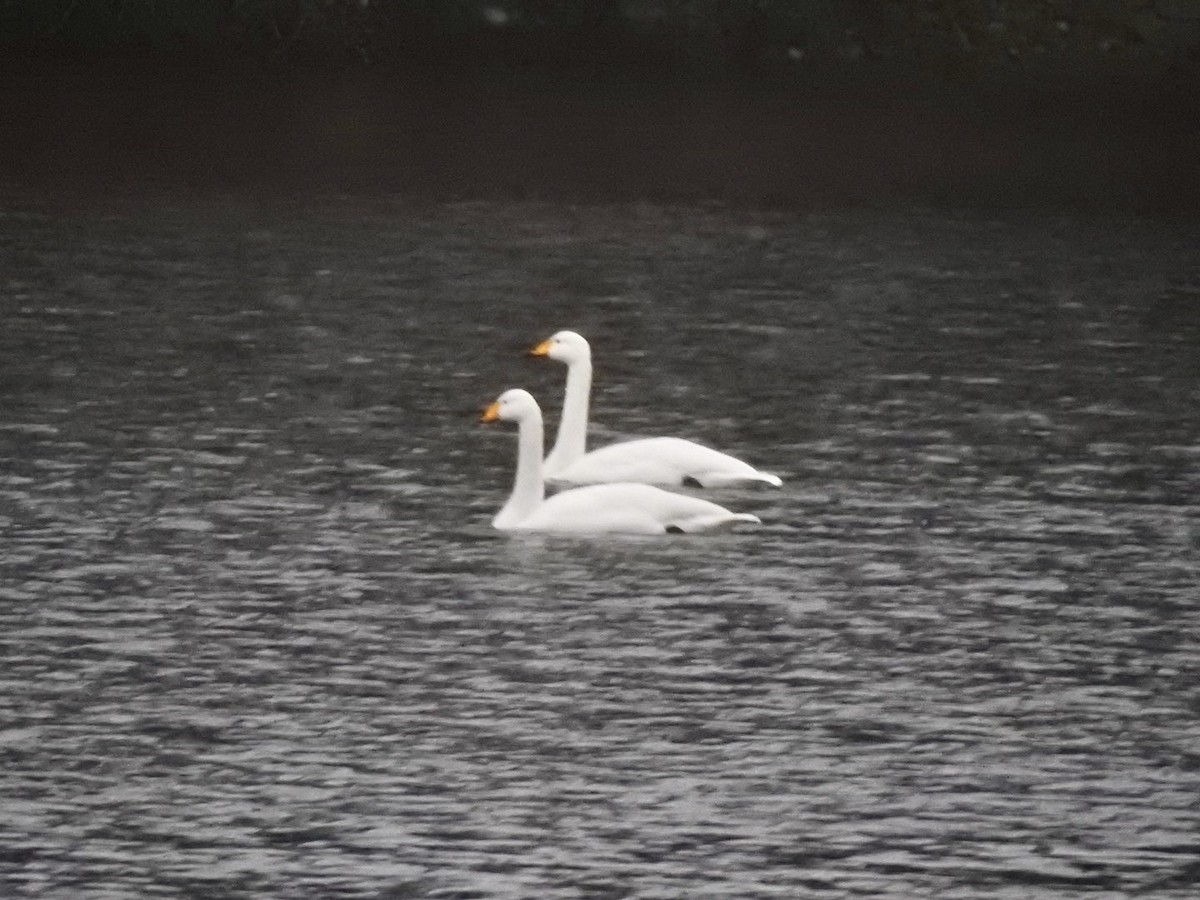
(662,460)
(629,509)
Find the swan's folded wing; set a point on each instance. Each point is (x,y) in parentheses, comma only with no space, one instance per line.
(629,509)
(597,509)
(662,460)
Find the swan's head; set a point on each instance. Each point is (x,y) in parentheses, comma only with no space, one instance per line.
(512,406)
(564,346)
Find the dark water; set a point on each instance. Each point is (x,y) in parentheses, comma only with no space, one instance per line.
(257,637)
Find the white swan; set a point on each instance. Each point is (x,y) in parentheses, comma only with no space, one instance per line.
(662,460)
(598,508)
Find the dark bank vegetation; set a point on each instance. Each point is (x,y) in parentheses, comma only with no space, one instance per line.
(735,37)
(783,102)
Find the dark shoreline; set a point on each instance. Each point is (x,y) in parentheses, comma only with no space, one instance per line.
(135,128)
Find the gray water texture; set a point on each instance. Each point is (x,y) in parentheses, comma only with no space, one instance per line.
(258,638)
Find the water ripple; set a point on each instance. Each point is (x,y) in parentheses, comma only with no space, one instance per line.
(258,638)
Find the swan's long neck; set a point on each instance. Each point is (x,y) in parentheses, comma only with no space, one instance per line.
(571,442)
(528,490)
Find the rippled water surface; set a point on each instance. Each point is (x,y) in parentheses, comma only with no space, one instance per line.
(258,639)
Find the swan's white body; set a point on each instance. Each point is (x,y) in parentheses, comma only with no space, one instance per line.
(596,509)
(662,460)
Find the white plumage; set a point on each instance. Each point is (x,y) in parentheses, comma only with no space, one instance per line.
(595,509)
(659,460)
